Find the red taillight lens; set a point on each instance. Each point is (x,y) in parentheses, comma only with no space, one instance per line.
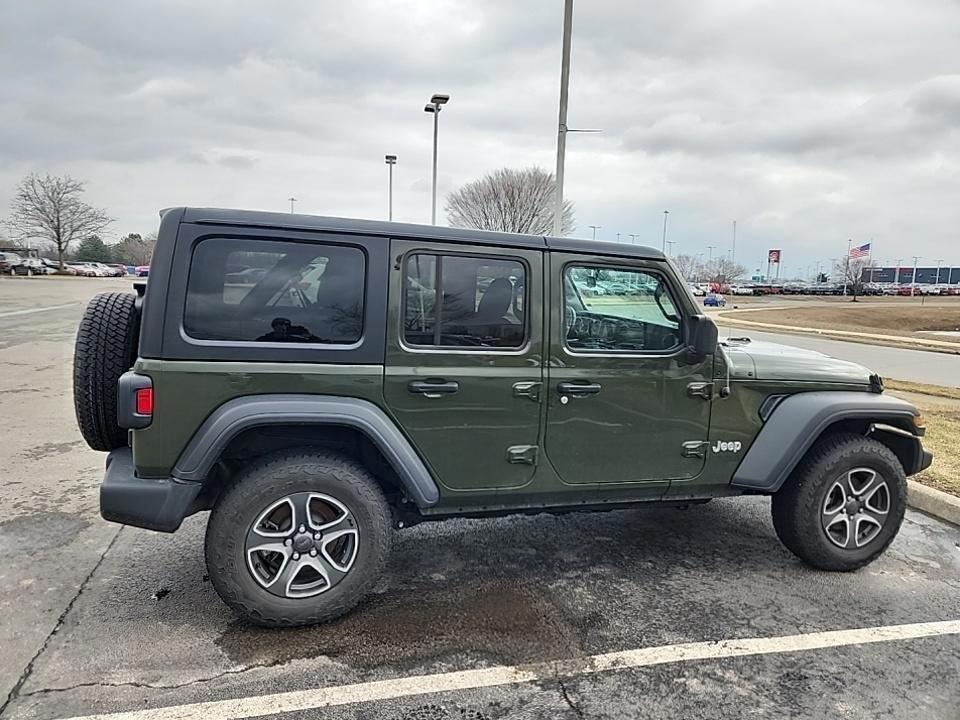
(144,402)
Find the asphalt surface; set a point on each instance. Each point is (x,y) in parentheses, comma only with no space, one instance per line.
(99,619)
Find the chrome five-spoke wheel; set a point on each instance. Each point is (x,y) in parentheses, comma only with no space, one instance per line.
(302,545)
(855,508)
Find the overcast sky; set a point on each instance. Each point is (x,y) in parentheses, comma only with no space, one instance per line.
(809,122)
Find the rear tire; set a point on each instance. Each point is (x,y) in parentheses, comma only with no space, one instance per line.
(843,504)
(347,538)
(106,347)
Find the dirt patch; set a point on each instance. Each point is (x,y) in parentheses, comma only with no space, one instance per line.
(942,416)
(50,449)
(864,316)
(499,620)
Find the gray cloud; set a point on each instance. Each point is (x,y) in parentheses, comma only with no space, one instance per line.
(810,122)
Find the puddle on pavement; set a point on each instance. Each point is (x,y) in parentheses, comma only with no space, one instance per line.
(39,531)
(500,620)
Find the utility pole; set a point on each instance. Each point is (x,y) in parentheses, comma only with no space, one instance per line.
(562,121)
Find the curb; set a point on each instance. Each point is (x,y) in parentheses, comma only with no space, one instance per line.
(937,503)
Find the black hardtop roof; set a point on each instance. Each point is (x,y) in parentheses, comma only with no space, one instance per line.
(294,221)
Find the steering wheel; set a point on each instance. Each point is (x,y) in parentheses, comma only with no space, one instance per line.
(569,319)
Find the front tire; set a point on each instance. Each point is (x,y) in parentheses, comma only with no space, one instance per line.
(843,504)
(298,538)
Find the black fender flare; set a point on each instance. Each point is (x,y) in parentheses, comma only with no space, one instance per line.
(799,420)
(243,413)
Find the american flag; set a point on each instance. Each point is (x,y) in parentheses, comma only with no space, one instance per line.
(860,252)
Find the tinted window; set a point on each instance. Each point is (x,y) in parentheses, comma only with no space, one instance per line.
(456,301)
(613,309)
(269,291)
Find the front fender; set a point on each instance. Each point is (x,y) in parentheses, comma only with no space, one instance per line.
(799,420)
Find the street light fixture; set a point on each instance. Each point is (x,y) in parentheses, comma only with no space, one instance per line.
(390,160)
(436,102)
(663,246)
(633,238)
(595,228)
(913,283)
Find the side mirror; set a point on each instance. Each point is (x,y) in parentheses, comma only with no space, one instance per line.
(702,335)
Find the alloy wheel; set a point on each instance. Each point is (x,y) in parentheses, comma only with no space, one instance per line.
(855,508)
(302,545)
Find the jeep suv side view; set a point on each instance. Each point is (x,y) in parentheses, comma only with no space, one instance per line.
(318,382)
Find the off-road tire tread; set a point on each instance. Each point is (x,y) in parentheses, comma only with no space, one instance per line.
(799,500)
(106,347)
(281,471)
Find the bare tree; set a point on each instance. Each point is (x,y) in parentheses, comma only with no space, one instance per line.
(509,200)
(690,267)
(135,249)
(49,208)
(855,273)
(725,270)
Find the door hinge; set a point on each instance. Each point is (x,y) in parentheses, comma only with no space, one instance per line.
(522,454)
(695,448)
(700,389)
(529,390)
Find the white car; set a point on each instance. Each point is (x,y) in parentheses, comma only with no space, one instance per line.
(697,291)
(741,290)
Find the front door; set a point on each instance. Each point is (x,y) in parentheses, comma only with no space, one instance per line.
(627,405)
(464,360)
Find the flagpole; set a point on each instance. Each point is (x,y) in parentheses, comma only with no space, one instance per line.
(846,272)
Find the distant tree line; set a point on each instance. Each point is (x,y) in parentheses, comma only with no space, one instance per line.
(49,211)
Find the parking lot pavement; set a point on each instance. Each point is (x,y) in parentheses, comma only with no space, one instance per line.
(101,620)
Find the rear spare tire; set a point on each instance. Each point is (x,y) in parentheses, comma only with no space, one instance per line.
(106,348)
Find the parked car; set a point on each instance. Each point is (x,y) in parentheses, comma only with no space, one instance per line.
(697,291)
(742,290)
(8,261)
(85,269)
(714,300)
(121,269)
(327,410)
(142,271)
(31,266)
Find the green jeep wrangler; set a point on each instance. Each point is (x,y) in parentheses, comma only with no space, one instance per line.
(316,382)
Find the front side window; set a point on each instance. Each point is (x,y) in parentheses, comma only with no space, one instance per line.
(459,301)
(618,310)
(272,291)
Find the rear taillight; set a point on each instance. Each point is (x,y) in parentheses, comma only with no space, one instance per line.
(144,401)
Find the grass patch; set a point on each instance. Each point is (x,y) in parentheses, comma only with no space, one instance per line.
(941,410)
(881,318)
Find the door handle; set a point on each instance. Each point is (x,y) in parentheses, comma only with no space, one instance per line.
(578,389)
(433,389)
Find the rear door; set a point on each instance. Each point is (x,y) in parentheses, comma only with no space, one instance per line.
(627,405)
(464,360)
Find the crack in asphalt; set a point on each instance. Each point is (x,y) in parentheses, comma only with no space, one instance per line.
(567,699)
(152,686)
(28,669)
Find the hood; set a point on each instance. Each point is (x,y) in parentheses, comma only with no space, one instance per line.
(756,360)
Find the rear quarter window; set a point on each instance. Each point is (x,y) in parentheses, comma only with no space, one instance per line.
(266,291)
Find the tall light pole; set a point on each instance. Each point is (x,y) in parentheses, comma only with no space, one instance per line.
(618,237)
(595,228)
(938,270)
(390,160)
(671,243)
(846,267)
(436,102)
(562,120)
(633,238)
(663,244)
(710,248)
(292,201)
(913,283)
(897,270)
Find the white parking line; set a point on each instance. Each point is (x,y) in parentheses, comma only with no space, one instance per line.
(36,310)
(298,701)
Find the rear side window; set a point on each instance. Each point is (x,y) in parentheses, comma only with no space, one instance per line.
(465,302)
(273,291)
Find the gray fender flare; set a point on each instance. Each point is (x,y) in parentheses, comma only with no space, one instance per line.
(244,413)
(797,422)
